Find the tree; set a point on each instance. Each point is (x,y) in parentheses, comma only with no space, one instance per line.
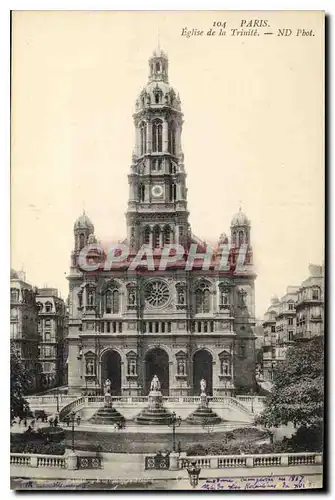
(298,388)
(20,382)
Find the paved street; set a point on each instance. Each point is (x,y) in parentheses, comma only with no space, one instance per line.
(130,467)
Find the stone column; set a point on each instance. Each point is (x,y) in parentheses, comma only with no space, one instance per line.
(137,140)
(165,137)
(149,136)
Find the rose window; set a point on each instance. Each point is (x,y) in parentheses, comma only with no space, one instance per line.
(157,293)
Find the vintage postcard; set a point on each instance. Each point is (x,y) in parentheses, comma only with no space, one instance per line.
(167,260)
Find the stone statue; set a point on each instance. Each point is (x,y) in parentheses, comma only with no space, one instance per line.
(155,384)
(203,386)
(181,368)
(107,387)
(131,297)
(92,239)
(181,297)
(90,367)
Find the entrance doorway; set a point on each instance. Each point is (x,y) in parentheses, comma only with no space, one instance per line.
(202,369)
(157,363)
(111,368)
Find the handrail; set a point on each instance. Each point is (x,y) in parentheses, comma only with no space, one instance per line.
(254,460)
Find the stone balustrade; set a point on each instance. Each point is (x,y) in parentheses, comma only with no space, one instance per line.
(25,460)
(261,460)
(49,399)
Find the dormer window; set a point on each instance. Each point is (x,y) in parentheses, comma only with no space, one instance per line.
(48,307)
(158,67)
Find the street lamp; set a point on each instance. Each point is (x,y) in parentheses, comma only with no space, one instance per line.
(174,420)
(57,396)
(193,473)
(72,417)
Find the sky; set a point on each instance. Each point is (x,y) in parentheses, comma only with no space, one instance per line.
(253,133)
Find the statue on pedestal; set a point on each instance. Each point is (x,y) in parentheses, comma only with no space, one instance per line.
(107,387)
(203,386)
(155,384)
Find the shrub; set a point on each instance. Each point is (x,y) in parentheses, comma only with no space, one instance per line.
(38,448)
(51,434)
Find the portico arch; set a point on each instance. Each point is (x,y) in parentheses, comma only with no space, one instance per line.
(202,363)
(157,363)
(111,364)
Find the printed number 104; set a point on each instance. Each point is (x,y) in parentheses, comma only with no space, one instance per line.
(219,24)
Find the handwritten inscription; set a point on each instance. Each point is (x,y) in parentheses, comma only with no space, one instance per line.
(258,483)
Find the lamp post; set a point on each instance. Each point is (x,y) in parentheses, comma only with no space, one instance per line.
(57,396)
(72,420)
(193,473)
(174,421)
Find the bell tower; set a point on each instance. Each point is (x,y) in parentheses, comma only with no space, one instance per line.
(157,207)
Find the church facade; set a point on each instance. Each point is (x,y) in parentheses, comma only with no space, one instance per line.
(181,324)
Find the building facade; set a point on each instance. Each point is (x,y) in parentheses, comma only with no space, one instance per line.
(298,316)
(23,324)
(310,305)
(52,336)
(180,324)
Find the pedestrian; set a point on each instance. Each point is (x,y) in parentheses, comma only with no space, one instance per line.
(78,420)
(56,422)
(25,422)
(51,421)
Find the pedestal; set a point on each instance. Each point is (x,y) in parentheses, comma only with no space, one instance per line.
(174,461)
(203,415)
(71,460)
(154,413)
(203,400)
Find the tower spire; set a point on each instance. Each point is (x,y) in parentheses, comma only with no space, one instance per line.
(158,41)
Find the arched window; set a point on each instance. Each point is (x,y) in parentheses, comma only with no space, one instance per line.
(81,241)
(240,238)
(157,98)
(157,136)
(143,138)
(112,301)
(167,235)
(158,67)
(206,301)
(172,138)
(202,299)
(141,192)
(173,192)
(156,237)
(198,301)
(146,239)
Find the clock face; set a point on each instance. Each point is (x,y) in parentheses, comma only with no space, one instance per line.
(157,191)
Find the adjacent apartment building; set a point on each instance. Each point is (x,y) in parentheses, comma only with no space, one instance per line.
(52,335)
(23,324)
(38,329)
(297,316)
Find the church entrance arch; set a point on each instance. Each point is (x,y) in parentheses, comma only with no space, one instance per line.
(202,369)
(111,369)
(157,363)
